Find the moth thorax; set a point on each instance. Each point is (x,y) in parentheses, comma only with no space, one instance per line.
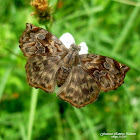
(75,47)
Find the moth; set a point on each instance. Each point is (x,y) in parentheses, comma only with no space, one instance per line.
(80,77)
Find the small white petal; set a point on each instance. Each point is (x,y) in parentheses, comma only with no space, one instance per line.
(67,39)
(84,48)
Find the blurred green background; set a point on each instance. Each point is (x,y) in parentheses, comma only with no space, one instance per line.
(110,28)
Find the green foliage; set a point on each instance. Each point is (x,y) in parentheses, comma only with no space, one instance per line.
(109,28)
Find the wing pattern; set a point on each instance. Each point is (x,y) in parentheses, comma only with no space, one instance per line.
(79,88)
(37,41)
(107,72)
(80,77)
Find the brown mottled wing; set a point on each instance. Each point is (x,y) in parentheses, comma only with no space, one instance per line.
(79,88)
(41,72)
(107,72)
(37,41)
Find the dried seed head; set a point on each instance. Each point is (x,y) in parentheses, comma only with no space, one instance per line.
(42,9)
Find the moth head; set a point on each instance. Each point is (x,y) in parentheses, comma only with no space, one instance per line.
(75,47)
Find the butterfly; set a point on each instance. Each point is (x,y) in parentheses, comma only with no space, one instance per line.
(80,77)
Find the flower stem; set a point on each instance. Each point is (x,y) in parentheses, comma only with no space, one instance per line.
(33,104)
